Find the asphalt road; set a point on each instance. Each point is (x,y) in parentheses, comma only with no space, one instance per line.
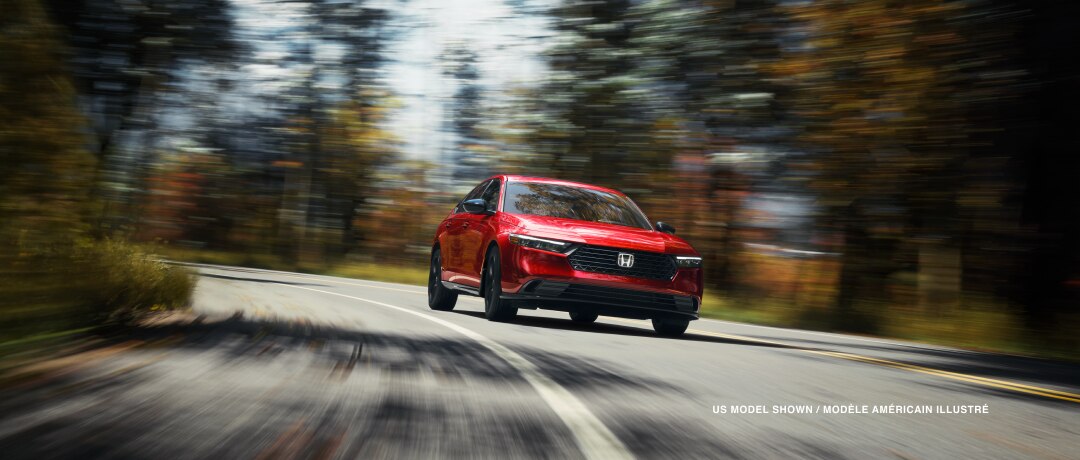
(283,365)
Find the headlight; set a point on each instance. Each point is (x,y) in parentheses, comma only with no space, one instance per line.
(540,243)
(688,261)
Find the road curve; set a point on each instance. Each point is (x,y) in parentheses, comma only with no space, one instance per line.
(286,365)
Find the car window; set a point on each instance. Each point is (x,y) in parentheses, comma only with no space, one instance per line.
(475,193)
(568,202)
(491,195)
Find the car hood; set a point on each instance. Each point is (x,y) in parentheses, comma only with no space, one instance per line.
(600,234)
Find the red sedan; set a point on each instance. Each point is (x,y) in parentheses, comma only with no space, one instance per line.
(527,242)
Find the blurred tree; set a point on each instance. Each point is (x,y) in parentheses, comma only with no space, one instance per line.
(399,215)
(44,178)
(123,56)
(464,114)
(709,60)
(189,199)
(706,62)
(124,52)
(515,122)
(47,170)
(357,143)
(595,131)
(886,91)
(363,32)
(352,141)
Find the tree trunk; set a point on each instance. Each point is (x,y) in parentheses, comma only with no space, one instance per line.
(863,273)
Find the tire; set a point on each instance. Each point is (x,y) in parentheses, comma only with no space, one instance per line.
(670,327)
(439,297)
(495,307)
(583,316)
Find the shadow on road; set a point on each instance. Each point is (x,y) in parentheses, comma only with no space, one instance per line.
(257,280)
(605,328)
(348,393)
(342,350)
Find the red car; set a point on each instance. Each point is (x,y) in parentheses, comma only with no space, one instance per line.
(528,242)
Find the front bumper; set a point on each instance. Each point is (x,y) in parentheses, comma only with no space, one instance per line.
(522,266)
(604,300)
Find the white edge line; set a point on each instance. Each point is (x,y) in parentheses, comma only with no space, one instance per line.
(594,439)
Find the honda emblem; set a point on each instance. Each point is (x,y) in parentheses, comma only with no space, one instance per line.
(626,260)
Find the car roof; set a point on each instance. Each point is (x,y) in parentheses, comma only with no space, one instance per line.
(548,180)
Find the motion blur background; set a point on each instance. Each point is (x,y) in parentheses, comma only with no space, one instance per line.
(900,168)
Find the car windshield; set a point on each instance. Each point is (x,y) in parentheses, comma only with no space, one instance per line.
(568,202)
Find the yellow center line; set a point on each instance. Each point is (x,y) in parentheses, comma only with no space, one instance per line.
(1002,384)
(1013,386)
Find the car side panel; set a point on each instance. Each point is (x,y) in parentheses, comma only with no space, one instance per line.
(451,247)
(444,237)
(455,252)
(476,231)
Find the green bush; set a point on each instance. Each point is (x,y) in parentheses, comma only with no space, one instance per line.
(131,280)
(72,285)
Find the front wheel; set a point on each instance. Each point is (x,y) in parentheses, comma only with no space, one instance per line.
(438,296)
(670,327)
(495,307)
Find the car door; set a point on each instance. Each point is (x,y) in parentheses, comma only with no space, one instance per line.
(477,230)
(454,253)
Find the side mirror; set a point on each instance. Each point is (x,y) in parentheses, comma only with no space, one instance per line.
(475,206)
(662,227)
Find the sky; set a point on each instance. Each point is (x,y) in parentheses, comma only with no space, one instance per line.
(508,47)
(501,39)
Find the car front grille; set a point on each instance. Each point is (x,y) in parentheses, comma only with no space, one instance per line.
(598,259)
